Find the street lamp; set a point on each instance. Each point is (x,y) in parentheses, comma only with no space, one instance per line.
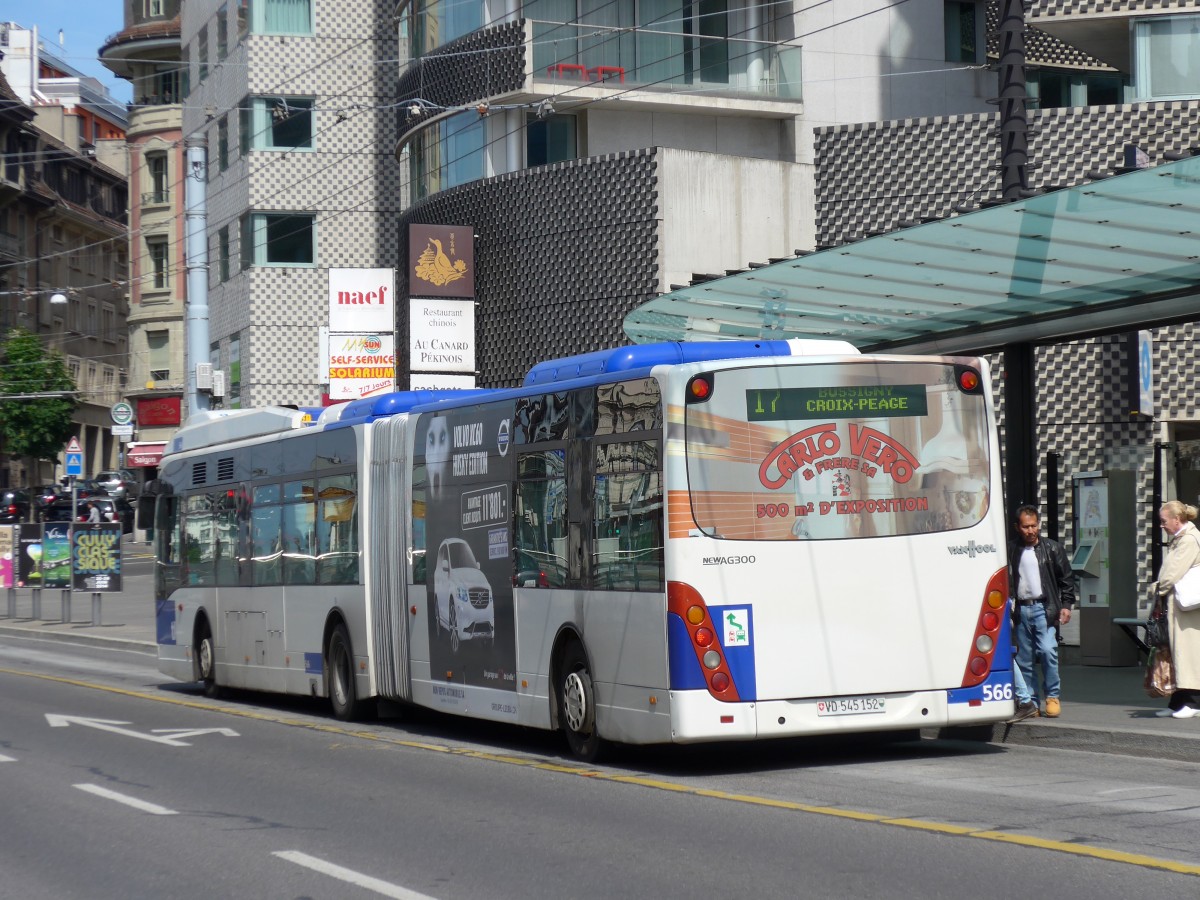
(58,298)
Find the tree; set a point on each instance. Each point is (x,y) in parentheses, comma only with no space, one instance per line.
(38,427)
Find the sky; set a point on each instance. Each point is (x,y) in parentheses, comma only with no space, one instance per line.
(85,24)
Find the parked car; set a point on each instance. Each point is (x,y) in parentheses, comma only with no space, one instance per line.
(42,496)
(14,507)
(112,509)
(118,483)
(86,487)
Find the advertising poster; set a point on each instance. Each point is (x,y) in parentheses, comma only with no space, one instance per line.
(96,560)
(441,336)
(468,540)
(816,453)
(29,556)
(362,300)
(441,261)
(56,555)
(361,365)
(7,547)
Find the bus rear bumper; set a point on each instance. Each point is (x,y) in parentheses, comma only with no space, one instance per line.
(697,716)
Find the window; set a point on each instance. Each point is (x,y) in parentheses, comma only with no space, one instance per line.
(223,31)
(108,322)
(282,16)
(549,140)
(337,530)
(157,250)
(199,544)
(277,123)
(245,241)
(1167,57)
(223,253)
(223,143)
(628,515)
(154,8)
(243,18)
(279,239)
(962,37)
(202,52)
(541,519)
(158,345)
(298,533)
(266,551)
(185,72)
(156,166)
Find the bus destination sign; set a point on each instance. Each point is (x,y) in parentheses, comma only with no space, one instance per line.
(861,401)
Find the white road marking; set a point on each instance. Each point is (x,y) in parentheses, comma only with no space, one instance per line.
(385,888)
(152,808)
(110,725)
(7,758)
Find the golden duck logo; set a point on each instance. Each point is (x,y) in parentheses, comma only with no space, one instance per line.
(434,266)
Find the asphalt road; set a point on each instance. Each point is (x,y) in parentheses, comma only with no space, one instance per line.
(107,794)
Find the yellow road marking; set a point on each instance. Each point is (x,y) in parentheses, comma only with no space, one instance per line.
(1024,840)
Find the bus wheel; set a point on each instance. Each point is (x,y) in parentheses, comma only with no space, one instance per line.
(577,705)
(339,675)
(206,656)
(453,626)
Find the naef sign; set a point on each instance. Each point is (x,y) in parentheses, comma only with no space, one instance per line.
(362,300)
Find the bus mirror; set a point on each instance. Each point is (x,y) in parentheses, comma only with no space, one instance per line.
(145,511)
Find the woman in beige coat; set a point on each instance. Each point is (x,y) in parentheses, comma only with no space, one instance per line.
(1184,553)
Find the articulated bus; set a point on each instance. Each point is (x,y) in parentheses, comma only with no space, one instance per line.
(659,543)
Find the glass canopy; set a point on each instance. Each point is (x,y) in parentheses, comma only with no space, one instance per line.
(1115,254)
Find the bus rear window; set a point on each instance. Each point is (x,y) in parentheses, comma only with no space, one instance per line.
(813,452)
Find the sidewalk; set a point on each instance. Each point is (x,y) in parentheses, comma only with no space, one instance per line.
(1104,709)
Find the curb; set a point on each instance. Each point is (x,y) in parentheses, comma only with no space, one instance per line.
(40,630)
(1147,744)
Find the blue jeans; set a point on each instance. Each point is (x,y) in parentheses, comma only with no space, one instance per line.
(1035,636)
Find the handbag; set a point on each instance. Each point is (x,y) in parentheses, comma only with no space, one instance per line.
(1187,589)
(1160,673)
(1157,634)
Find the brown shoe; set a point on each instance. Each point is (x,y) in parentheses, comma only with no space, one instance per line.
(1053,708)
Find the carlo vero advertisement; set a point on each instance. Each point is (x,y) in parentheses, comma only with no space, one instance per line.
(468,563)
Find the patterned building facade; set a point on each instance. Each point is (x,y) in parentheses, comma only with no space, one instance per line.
(294,102)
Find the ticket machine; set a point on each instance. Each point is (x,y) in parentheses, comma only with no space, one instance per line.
(1105,562)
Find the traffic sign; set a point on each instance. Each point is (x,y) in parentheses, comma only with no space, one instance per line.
(73,446)
(122,430)
(75,465)
(122,413)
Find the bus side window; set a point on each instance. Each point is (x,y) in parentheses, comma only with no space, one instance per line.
(540,520)
(627,554)
(337,529)
(199,545)
(299,533)
(166,530)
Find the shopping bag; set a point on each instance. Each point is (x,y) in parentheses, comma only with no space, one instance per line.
(1160,673)
(1187,589)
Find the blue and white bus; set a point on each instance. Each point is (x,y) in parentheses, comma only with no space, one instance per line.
(660,543)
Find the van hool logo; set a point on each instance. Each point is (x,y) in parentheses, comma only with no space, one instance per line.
(434,266)
(971,549)
(729,560)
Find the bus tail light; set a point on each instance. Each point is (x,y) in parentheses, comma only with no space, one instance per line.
(685,601)
(987,629)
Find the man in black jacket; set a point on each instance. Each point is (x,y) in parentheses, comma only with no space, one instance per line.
(1043,588)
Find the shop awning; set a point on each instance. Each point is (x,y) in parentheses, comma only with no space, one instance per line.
(1116,254)
(148,453)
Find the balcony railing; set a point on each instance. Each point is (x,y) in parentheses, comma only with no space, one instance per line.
(665,60)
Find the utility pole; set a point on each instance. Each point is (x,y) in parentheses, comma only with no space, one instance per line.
(1014,99)
(196,217)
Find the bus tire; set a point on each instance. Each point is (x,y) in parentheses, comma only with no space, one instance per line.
(206,662)
(577,705)
(339,673)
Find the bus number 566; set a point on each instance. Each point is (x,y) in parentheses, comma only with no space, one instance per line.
(997,692)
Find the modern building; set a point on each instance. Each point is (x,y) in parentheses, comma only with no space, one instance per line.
(294,100)
(147,53)
(1119,85)
(63,265)
(602,152)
